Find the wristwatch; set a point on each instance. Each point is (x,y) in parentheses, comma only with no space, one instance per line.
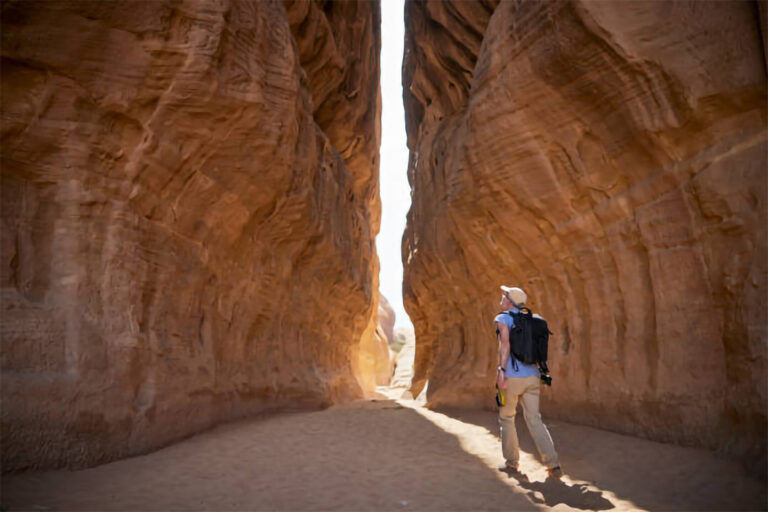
(501,368)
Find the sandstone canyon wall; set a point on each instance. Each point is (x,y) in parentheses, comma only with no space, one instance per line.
(610,158)
(189,205)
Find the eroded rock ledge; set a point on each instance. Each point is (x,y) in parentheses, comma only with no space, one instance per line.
(610,157)
(188,217)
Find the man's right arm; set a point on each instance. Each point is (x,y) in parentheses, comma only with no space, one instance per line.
(503,353)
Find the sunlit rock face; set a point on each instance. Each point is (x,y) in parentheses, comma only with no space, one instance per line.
(610,158)
(385,361)
(375,361)
(188,216)
(387,317)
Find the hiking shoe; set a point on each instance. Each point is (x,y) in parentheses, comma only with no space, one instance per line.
(508,466)
(555,472)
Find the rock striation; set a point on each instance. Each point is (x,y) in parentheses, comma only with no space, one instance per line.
(610,158)
(189,206)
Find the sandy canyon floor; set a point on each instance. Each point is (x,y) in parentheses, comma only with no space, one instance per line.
(391,454)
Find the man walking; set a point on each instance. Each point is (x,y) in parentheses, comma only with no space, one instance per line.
(519,382)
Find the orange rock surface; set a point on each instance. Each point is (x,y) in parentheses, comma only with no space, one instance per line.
(189,206)
(610,158)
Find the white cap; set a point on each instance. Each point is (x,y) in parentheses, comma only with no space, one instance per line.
(516,295)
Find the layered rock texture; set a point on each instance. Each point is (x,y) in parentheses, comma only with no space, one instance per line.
(189,205)
(610,158)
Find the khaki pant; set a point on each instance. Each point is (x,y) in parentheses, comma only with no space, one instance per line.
(526,389)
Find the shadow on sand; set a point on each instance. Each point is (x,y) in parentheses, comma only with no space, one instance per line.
(367,455)
(383,455)
(552,492)
(646,474)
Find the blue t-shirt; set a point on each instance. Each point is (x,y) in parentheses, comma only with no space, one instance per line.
(523,370)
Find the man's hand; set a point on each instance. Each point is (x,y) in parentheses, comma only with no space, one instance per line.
(500,380)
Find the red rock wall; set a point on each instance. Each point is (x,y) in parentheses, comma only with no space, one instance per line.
(610,158)
(188,217)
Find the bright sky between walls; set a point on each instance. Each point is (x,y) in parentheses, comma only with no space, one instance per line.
(395,192)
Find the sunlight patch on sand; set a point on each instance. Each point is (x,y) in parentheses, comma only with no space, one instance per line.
(485,445)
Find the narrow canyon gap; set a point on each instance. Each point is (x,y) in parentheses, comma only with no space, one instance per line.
(189,206)
(190,200)
(610,158)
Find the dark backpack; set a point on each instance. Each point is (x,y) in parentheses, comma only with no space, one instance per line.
(529,338)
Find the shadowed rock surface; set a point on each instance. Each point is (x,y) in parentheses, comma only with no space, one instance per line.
(189,208)
(610,158)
